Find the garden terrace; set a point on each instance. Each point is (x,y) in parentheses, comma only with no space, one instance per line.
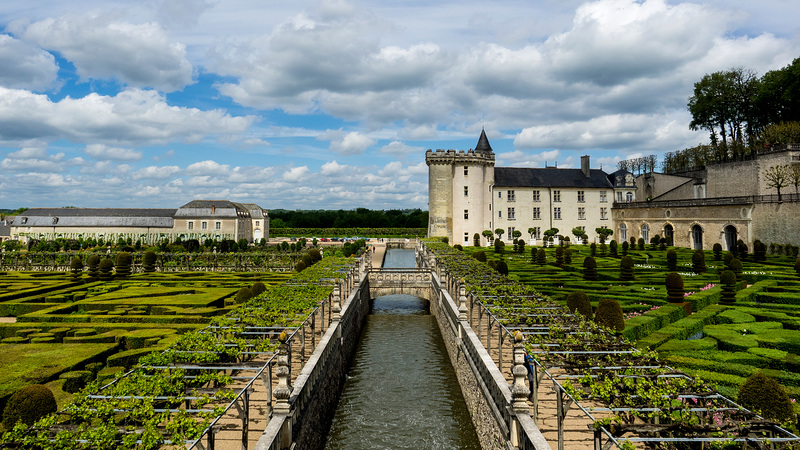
(624,396)
(202,388)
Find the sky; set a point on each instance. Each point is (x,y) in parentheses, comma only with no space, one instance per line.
(331,104)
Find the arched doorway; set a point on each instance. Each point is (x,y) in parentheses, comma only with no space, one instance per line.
(730,237)
(668,233)
(697,237)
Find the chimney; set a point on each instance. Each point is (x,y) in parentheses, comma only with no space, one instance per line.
(213,208)
(585,165)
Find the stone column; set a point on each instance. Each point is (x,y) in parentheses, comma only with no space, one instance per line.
(336,304)
(519,389)
(283,391)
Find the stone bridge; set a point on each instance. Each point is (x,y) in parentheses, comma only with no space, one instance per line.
(416,282)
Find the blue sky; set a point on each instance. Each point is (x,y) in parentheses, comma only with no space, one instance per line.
(331,104)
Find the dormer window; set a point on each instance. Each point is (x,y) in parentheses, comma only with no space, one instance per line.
(24,220)
(55,220)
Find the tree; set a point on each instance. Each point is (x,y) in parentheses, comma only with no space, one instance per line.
(777,177)
(578,233)
(499,233)
(476,240)
(603,232)
(516,234)
(531,232)
(794,177)
(487,234)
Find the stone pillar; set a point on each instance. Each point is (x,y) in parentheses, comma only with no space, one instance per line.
(283,391)
(336,304)
(519,389)
(462,302)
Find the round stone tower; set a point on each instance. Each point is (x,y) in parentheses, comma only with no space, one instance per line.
(459,185)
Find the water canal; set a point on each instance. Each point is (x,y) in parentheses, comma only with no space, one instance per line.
(401,391)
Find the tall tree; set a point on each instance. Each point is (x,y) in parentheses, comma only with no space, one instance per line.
(777,177)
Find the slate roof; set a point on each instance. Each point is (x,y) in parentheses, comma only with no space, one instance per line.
(5,227)
(549,177)
(255,211)
(96,217)
(483,144)
(221,209)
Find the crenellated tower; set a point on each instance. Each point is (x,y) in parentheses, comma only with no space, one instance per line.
(459,189)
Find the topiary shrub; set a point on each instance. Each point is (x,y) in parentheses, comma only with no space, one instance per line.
(728,281)
(674,283)
(476,240)
(567,256)
(76,268)
(578,303)
(735,266)
(698,262)
(767,397)
(124,264)
(672,260)
(479,256)
(717,251)
(300,266)
(741,250)
(624,248)
(589,269)
(502,268)
(559,257)
(797,267)
(603,249)
(759,251)
(633,242)
(106,270)
(28,405)
(458,247)
(149,261)
(593,249)
(94,266)
(609,314)
(244,294)
(315,255)
(729,256)
(640,243)
(612,248)
(541,257)
(499,246)
(626,269)
(75,381)
(258,288)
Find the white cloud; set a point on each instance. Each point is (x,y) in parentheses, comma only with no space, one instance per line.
(103,46)
(296,174)
(131,116)
(26,66)
(352,143)
(156,172)
(103,152)
(398,149)
(207,167)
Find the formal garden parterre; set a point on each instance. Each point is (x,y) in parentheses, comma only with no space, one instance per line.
(686,387)
(170,348)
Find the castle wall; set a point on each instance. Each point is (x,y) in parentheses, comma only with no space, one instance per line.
(732,179)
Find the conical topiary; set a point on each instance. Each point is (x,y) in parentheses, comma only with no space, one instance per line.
(559,256)
(76,268)
(626,269)
(624,248)
(106,270)
(568,256)
(674,282)
(589,269)
(541,257)
(767,397)
(609,314)
(94,266)
(735,266)
(698,262)
(672,260)
(717,251)
(124,264)
(149,261)
(612,248)
(728,281)
(578,303)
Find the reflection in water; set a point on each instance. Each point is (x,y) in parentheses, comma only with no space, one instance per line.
(401,391)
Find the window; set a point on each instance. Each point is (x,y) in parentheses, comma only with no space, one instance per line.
(629,197)
(466,214)
(511,232)
(466,191)
(466,170)
(537,213)
(511,214)
(557,213)
(258,223)
(536,196)
(537,232)
(466,238)
(204,225)
(603,197)
(581,197)
(646,232)
(619,197)
(499,194)
(581,213)
(190,225)
(511,196)
(623,232)
(604,213)
(217,225)
(556,196)
(500,213)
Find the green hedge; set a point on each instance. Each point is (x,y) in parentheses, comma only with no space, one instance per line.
(683,328)
(642,326)
(734,316)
